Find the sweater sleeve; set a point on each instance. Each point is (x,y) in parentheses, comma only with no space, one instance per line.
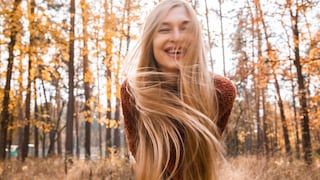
(226,92)
(130,120)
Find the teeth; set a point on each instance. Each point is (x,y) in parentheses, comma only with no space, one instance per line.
(174,51)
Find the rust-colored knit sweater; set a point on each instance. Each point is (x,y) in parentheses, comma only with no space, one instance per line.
(226,94)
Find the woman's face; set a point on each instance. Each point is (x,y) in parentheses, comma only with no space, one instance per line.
(171,39)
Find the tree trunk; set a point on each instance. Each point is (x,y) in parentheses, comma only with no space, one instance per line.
(293,94)
(108,131)
(5,114)
(208,32)
(77,130)
(295,121)
(70,111)
(264,121)
(108,28)
(272,58)
(275,144)
(302,94)
(44,135)
(98,107)
(26,132)
(57,131)
(87,111)
(47,118)
(282,116)
(20,108)
(117,128)
(36,117)
(222,38)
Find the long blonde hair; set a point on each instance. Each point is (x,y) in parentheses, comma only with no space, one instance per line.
(177,128)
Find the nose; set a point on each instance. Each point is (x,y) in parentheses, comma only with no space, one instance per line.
(176,35)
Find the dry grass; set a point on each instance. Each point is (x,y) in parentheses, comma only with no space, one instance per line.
(115,168)
(252,168)
(55,168)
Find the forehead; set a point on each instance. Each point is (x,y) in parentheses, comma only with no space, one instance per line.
(177,14)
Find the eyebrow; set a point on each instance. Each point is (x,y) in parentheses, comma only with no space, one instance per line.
(167,23)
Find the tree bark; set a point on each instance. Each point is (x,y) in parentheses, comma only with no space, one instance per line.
(36,117)
(302,91)
(272,59)
(87,111)
(222,38)
(208,32)
(70,111)
(264,123)
(26,132)
(108,27)
(5,114)
(117,128)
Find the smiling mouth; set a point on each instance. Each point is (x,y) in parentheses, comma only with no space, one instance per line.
(176,53)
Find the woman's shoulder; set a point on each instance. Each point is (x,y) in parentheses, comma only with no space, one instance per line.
(124,90)
(225,88)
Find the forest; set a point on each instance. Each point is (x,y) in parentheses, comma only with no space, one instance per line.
(62,64)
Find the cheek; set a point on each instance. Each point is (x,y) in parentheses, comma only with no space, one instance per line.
(156,45)
(156,42)
(187,39)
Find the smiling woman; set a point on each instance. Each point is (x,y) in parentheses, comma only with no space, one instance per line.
(174,109)
(171,40)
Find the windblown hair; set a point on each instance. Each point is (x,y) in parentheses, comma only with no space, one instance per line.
(178,136)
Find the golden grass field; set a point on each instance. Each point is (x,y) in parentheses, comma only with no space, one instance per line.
(115,168)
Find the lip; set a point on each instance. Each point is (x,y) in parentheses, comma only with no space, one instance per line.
(174,52)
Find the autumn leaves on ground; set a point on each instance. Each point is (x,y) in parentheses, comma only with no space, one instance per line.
(117,168)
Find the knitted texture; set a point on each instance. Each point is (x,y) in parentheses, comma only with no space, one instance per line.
(226,92)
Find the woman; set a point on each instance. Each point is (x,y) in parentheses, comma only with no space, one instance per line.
(174,109)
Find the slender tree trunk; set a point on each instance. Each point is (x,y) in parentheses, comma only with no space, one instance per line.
(248,145)
(302,91)
(108,131)
(100,136)
(295,121)
(272,58)
(257,83)
(98,101)
(20,108)
(47,118)
(5,114)
(255,32)
(87,111)
(128,25)
(26,132)
(208,32)
(294,106)
(70,111)
(10,139)
(282,116)
(108,28)
(275,147)
(36,117)
(117,128)
(77,130)
(264,121)
(222,38)
(57,131)
(44,135)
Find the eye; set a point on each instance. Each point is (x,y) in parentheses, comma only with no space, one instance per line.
(164,30)
(184,28)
